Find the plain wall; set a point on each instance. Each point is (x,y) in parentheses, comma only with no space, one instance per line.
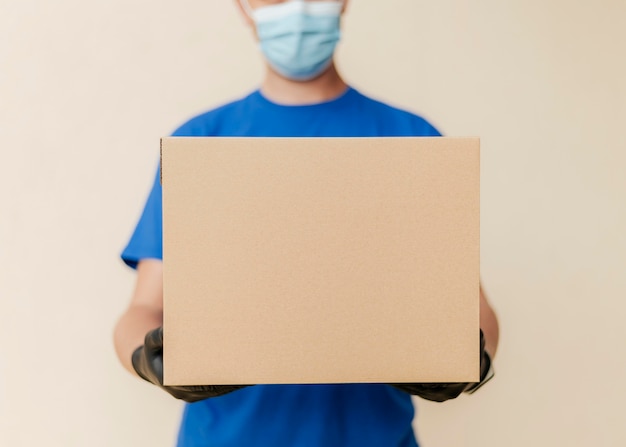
(88,88)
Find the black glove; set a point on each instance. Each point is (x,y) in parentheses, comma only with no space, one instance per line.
(148,362)
(440,392)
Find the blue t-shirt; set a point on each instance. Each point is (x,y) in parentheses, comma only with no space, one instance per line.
(291,415)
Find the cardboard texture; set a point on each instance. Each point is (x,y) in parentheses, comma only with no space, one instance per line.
(320,260)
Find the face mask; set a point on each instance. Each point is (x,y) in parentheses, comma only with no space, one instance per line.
(298,38)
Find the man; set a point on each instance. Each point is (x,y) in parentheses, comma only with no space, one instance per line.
(302,95)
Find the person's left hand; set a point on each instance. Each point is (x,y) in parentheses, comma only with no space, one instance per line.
(440,392)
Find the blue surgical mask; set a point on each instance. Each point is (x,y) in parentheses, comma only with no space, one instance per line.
(298,38)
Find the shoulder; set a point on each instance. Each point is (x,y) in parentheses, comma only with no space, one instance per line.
(210,123)
(401,120)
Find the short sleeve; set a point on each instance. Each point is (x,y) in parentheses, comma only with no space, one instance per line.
(423,128)
(433,131)
(147,239)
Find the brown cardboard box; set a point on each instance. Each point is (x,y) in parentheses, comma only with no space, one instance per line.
(320,260)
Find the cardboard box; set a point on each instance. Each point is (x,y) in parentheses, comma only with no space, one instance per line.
(320,260)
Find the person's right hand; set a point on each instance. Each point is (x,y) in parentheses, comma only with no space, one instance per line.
(148,363)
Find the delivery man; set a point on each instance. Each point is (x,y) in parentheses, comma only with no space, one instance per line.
(302,95)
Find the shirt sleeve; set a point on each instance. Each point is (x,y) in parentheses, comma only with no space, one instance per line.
(147,239)
(423,128)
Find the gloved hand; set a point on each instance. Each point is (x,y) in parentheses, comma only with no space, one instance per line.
(440,392)
(148,362)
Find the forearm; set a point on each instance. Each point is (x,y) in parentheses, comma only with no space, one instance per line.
(489,325)
(131,330)
(144,313)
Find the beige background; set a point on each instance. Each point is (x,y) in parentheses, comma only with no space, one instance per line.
(87,89)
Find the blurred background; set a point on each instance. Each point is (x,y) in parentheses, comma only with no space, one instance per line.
(88,88)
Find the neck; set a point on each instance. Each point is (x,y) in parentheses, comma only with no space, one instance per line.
(329,85)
